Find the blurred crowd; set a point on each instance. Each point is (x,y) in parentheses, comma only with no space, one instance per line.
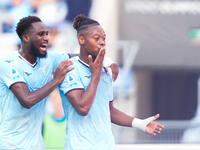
(57,15)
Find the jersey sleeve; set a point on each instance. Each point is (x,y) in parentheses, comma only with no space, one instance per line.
(71,82)
(10,73)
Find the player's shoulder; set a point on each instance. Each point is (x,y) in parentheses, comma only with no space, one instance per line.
(58,55)
(13,54)
(76,62)
(74,59)
(7,59)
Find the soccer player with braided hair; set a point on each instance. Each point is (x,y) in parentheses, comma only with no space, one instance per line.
(87,95)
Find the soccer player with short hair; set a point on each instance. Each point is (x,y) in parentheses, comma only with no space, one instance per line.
(25,81)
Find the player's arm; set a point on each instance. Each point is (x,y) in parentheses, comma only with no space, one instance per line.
(114,67)
(28,99)
(82,100)
(73,55)
(148,125)
(119,118)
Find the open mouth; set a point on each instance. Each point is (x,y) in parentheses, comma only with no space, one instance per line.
(43,47)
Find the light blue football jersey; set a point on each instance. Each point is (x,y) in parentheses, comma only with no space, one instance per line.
(20,128)
(91,132)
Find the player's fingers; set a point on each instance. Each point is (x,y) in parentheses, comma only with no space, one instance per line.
(114,77)
(160,126)
(103,52)
(157,131)
(90,60)
(115,71)
(100,56)
(157,116)
(106,70)
(70,69)
(153,133)
(65,64)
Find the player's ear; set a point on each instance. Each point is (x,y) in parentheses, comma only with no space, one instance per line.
(81,40)
(26,38)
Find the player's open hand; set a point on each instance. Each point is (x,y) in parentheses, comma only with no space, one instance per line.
(62,70)
(154,127)
(115,71)
(96,66)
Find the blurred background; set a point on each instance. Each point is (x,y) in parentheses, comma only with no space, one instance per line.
(156,44)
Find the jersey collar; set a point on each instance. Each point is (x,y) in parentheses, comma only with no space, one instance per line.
(83,62)
(32,65)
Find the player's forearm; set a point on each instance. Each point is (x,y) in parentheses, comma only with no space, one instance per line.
(88,96)
(118,117)
(36,96)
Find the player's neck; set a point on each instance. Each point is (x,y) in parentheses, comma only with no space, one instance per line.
(83,62)
(84,59)
(27,57)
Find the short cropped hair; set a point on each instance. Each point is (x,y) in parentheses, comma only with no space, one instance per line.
(25,25)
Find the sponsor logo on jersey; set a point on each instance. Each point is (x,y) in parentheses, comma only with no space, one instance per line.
(71,80)
(14,73)
(89,77)
(28,74)
(8,61)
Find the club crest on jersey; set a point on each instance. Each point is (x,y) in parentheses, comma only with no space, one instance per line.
(14,73)
(71,80)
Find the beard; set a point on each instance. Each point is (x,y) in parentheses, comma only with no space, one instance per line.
(36,52)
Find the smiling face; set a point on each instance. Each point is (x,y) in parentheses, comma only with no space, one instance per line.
(93,40)
(38,39)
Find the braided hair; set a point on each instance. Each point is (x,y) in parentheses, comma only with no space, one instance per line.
(81,22)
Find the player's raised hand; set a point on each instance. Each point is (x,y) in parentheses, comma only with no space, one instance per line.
(96,66)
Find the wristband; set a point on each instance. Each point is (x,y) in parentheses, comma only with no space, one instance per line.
(107,62)
(141,124)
